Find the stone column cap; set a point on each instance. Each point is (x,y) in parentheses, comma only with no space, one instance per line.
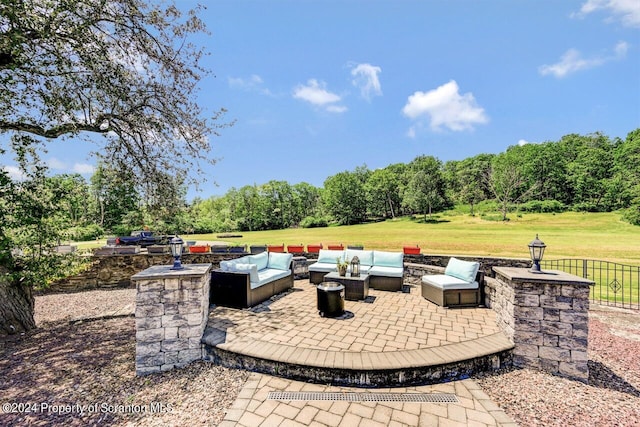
(551,277)
(165,271)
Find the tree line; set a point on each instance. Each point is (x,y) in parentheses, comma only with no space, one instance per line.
(591,173)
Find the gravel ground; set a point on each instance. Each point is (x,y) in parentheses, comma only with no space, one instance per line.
(92,362)
(83,353)
(612,397)
(55,308)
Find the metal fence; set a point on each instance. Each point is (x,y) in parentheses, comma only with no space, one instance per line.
(615,284)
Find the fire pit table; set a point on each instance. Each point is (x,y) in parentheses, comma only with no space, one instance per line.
(330,299)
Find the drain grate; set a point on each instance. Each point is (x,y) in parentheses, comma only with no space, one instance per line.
(364,397)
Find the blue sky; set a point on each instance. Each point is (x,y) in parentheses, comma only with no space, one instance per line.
(319,87)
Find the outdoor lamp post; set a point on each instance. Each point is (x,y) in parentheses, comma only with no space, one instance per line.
(536,249)
(355,266)
(176,251)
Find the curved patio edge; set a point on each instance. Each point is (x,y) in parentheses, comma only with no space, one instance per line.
(364,369)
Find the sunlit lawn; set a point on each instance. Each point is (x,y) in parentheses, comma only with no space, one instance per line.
(573,235)
(567,235)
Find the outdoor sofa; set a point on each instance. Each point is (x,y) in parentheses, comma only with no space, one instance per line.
(252,279)
(459,286)
(385,269)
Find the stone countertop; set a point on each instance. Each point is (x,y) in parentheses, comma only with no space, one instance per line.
(546,277)
(166,271)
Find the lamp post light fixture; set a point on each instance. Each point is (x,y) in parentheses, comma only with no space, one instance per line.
(536,249)
(355,267)
(176,251)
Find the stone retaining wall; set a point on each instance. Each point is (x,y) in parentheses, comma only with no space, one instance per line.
(486,263)
(113,271)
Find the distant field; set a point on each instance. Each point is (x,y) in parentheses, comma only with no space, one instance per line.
(567,235)
(571,234)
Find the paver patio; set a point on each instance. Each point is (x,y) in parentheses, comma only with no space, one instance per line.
(389,330)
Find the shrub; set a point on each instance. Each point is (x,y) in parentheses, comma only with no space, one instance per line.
(203,226)
(588,207)
(81,234)
(226,225)
(485,206)
(313,222)
(632,215)
(543,206)
(122,230)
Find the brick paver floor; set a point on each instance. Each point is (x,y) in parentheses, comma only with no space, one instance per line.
(253,408)
(388,330)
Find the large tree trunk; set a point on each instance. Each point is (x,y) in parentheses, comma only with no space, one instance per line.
(16,307)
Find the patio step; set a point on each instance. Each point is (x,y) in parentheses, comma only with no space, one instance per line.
(363,369)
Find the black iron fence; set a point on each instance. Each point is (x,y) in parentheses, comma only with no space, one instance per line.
(615,284)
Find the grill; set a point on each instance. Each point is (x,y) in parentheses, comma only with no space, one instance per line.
(364,397)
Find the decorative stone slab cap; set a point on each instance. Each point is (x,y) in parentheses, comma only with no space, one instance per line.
(189,270)
(553,277)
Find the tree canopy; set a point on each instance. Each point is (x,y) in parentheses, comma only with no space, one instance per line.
(425,189)
(122,74)
(121,69)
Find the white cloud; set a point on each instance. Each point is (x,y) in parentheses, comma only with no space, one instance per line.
(627,11)
(366,78)
(252,83)
(621,49)
(337,108)
(56,164)
(572,61)
(83,168)
(411,133)
(445,107)
(523,142)
(59,165)
(14,173)
(239,82)
(314,92)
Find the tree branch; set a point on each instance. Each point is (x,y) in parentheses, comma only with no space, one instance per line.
(53,132)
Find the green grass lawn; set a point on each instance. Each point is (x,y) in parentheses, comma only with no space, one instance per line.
(567,235)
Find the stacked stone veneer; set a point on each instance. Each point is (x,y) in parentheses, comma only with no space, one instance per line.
(113,271)
(172,309)
(546,317)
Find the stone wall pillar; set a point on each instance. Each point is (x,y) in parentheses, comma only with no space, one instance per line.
(546,316)
(172,309)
